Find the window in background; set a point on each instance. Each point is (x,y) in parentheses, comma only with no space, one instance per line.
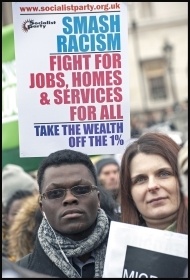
(157,88)
(155,79)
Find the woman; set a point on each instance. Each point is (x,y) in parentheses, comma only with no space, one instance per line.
(22,233)
(150,186)
(8,216)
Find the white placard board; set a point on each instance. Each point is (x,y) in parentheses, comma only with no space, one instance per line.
(72,77)
(142,252)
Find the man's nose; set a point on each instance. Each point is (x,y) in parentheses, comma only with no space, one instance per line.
(69,197)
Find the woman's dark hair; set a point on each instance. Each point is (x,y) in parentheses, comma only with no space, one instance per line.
(149,143)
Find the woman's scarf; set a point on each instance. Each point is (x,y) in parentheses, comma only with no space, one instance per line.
(96,242)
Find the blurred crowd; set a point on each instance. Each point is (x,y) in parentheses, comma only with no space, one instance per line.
(172,119)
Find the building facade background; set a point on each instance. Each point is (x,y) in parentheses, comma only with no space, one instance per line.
(151,25)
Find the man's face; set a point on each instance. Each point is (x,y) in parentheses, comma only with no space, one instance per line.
(109,177)
(74,216)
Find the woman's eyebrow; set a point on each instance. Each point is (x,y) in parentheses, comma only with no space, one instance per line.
(165,168)
(158,170)
(136,176)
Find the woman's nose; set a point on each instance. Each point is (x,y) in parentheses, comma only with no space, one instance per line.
(153,184)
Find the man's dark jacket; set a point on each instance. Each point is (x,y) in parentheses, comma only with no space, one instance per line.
(15,271)
(38,261)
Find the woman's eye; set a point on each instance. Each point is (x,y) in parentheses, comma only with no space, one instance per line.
(14,214)
(139,180)
(165,173)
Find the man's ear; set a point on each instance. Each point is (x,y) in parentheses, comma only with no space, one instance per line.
(40,202)
(98,193)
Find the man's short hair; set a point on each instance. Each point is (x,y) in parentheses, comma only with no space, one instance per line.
(64,157)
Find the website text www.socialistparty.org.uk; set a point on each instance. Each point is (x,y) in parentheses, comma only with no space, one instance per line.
(72,8)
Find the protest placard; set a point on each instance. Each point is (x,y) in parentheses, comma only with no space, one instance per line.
(142,252)
(72,72)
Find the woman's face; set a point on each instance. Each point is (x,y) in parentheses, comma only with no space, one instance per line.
(154,189)
(14,208)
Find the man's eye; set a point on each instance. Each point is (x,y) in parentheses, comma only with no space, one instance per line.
(55,193)
(82,189)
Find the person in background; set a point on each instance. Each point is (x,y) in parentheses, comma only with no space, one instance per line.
(12,270)
(72,238)
(10,211)
(108,203)
(183,173)
(23,231)
(14,178)
(183,170)
(136,129)
(107,169)
(150,186)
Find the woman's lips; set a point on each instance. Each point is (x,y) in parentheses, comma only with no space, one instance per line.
(158,199)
